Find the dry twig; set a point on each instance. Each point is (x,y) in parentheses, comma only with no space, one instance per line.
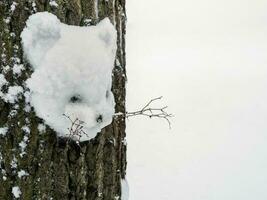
(152,112)
(76,129)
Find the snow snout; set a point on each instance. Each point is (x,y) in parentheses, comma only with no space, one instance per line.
(82,112)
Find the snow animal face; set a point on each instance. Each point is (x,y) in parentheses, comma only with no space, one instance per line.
(72,72)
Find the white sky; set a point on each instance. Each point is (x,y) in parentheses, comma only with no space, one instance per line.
(209,60)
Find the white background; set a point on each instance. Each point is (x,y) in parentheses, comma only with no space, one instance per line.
(209,60)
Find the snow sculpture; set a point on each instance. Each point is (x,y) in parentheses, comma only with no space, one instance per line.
(72,72)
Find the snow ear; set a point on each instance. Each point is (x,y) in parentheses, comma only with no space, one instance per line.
(108,34)
(42,31)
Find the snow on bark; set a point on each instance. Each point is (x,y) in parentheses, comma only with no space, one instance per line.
(3,81)
(13,94)
(3,131)
(124,190)
(16,192)
(53,3)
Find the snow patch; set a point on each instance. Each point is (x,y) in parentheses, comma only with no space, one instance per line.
(12,35)
(13,94)
(34,9)
(22,173)
(72,72)
(41,128)
(6,68)
(3,81)
(17,69)
(87,22)
(27,96)
(26,129)
(12,113)
(27,108)
(23,145)
(13,7)
(16,191)
(7,20)
(13,91)
(15,59)
(3,131)
(14,163)
(53,3)
(4,174)
(124,190)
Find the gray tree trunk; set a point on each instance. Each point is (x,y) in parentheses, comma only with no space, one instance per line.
(54,168)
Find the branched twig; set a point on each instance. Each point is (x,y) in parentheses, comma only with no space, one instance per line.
(152,112)
(76,129)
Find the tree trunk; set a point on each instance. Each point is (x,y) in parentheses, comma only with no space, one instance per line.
(36,162)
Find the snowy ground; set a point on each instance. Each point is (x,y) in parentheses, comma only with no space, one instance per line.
(209,61)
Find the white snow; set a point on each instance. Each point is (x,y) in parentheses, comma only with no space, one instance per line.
(16,191)
(23,145)
(7,20)
(14,163)
(53,3)
(41,128)
(3,131)
(4,174)
(34,9)
(26,129)
(22,173)
(6,68)
(13,6)
(87,22)
(27,108)
(72,72)
(27,96)
(3,81)
(13,113)
(17,69)
(13,34)
(13,94)
(15,58)
(124,190)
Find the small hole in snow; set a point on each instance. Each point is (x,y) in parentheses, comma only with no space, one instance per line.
(107,94)
(76,99)
(99,119)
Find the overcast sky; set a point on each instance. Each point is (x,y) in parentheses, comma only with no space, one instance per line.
(209,60)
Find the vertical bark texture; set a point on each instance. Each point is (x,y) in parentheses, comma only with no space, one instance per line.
(54,168)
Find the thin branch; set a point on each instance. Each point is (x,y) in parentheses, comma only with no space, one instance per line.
(152,112)
(76,129)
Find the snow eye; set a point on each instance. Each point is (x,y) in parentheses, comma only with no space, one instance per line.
(76,99)
(99,119)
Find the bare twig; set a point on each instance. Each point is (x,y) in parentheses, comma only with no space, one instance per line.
(76,129)
(152,112)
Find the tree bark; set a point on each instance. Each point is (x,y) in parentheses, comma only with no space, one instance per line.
(57,169)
